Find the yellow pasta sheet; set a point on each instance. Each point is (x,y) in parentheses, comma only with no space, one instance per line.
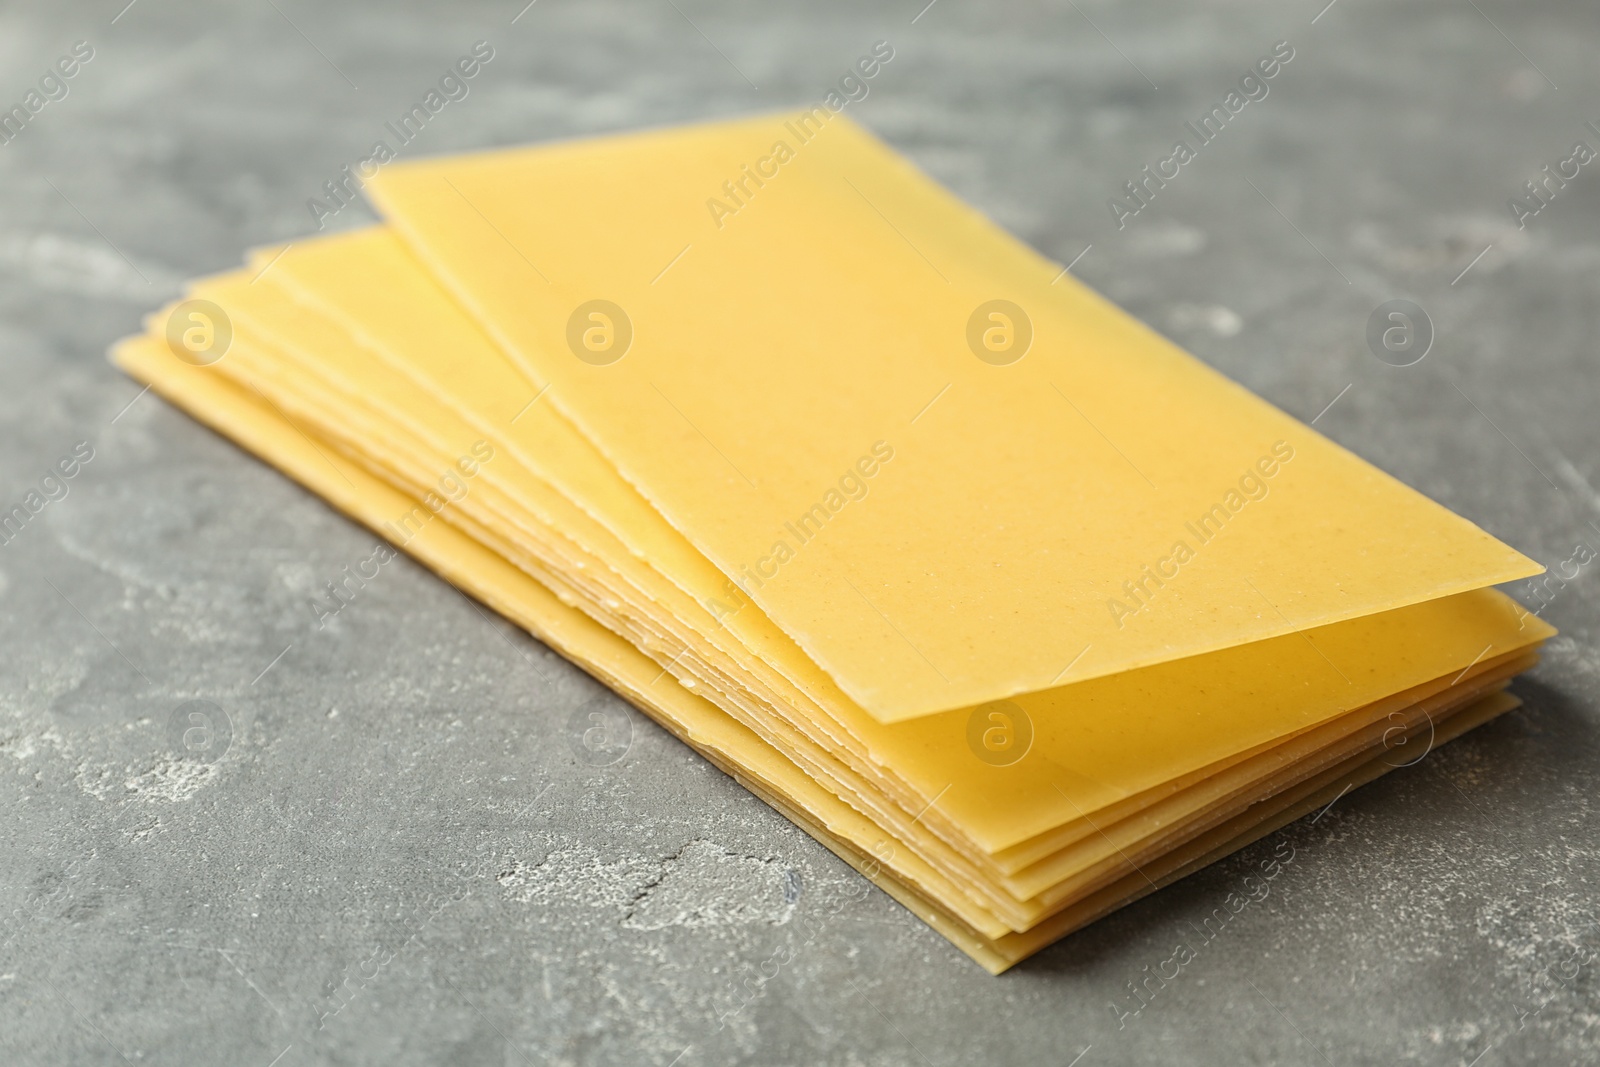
(814,391)
(1010,602)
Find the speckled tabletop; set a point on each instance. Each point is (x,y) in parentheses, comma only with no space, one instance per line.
(392,849)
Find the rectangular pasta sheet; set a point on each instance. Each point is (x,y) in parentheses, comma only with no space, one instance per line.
(791,340)
(1003,598)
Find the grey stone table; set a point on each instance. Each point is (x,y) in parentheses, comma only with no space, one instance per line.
(391,851)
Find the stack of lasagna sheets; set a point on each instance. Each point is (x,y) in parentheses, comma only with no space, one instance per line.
(1009,602)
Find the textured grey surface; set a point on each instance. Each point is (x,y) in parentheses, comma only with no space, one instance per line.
(399,856)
